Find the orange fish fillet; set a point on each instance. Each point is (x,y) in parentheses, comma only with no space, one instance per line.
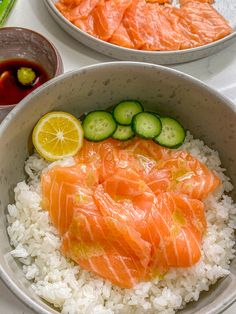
(121,37)
(83,9)
(205,21)
(159,1)
(66,188)
(107,17)
(176,228)
(129,211)
(148,25)
(108,248)
(183,2)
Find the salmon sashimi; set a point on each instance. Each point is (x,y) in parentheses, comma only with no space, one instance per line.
(205,21)
(66,6)
(185,174)
(105,156)
(159,1)
(83,9)
(168,38)
(127,184)
(181,225)
(121,37)
(187,38)
(152,25)
(107,17)
(65,189)
(135,21)
(129,211)
(124,210)
(86,24)
(183,2)
(158,35)
(141,148)
(108,248)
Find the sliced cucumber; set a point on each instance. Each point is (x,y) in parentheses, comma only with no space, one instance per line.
(125,111)
(147,125)
(98,125)
(123,133)
(172,135)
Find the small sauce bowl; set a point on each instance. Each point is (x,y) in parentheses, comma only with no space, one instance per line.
(22,43)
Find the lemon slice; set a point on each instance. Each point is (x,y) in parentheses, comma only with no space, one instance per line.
(57,135)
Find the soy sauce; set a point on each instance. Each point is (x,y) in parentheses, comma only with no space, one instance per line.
(11,90)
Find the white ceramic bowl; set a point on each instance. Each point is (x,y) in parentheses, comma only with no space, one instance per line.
(227,8)
(206,113)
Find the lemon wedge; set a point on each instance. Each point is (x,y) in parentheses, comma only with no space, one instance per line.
(57,135)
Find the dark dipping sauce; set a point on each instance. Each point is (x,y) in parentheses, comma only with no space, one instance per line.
(11,90)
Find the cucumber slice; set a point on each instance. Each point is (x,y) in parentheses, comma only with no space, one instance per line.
(125,111)
(123,133)
(172,135)
(98,125)
(146,125)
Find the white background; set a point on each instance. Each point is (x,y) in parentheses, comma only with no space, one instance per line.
(219,71)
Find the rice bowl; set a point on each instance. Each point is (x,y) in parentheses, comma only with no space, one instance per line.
(136,303)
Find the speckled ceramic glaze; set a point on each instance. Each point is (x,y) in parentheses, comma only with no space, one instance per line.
(206,113)
(17,42)
(226,7)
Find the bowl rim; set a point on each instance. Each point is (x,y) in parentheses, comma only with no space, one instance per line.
(13,287)
(146,53)
(59,69)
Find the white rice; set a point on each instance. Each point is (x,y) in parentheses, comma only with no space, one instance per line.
(73,290)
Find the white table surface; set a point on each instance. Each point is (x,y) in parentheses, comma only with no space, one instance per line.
(219,71)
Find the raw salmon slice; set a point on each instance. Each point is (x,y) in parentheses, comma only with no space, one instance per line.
(146,148)
(121,37)
(96,152)
(103,155)
(131,211)
(106,156)
(159,1)
(86,24)
(183,2)
(182,173)
(83,9)
(169,170)
(205,21)
(65,189)
(180,26)
(69,8)
(168,37)
(136,22)
(175,229)
(126,184)
(107,17)
(148,27)
(108,248)
(65,6)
